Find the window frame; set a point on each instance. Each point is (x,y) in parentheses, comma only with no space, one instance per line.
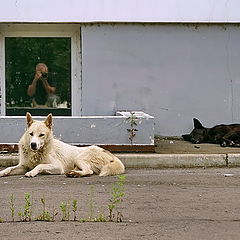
(73,31)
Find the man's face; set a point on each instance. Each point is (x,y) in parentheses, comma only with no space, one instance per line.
(42,68)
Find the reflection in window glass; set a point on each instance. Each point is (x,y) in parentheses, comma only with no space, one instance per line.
(38,75)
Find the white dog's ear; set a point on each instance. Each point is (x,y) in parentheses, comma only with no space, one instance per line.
(29,119)
(48,121)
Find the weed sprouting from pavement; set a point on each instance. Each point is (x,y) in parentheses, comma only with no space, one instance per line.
(12,206)
(45,215)
(26,211)
(101,218)
(65,207)
(91,204)
(133,124)
(91,209)
(26,214)
(117,194)
(74,209)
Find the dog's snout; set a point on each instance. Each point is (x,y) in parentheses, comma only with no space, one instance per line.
(33,145)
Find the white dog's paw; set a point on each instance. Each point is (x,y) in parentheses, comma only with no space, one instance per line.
(30,174)
(4,173)
(73,173)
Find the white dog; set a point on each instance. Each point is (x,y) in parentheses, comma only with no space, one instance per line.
(40,152)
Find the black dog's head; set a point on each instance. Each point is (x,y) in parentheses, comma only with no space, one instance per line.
(199,133)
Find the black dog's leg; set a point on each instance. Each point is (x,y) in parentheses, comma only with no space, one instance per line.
(231,139)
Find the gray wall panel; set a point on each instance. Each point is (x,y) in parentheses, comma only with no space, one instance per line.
(174,72)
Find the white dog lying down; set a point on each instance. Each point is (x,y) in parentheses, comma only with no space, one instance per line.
(40,152)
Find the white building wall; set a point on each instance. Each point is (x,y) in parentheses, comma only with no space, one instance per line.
(120,11)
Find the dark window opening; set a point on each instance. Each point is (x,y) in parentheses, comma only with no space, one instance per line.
(51,90)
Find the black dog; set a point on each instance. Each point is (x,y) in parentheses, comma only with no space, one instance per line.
(225,135)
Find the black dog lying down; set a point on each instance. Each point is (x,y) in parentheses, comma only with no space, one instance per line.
(225,135)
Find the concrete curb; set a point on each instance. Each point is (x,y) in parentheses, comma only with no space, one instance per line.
(173,160)
(141,160)
(7,160)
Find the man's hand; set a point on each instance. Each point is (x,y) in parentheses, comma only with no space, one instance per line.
(38,75)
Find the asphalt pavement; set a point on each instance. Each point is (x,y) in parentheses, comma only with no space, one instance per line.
(181,204)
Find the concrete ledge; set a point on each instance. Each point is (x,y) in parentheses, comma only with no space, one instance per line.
(88,130)
(159,160)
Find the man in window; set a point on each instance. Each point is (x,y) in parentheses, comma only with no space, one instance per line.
(40,89)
